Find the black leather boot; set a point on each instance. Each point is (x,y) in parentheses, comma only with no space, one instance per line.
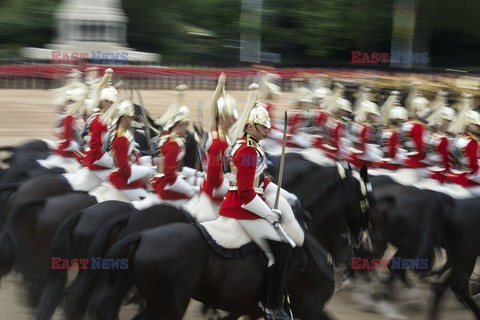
(277,280)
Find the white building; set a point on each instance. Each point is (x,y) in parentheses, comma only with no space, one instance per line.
(84,26)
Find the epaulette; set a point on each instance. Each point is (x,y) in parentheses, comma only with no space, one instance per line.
(175,137)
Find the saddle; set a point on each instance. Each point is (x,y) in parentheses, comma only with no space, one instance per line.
(236,245)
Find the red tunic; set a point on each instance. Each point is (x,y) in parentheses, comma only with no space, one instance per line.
(438,156)
(320,120)
(334,131)
(295,122)
(121,154)
(245,159)
(362,134)
(172,152)
(97,129)
(67,134)
(413,133)
(215,153)
(390,144)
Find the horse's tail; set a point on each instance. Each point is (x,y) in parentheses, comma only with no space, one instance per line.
(11,232)
(57,278)
(81,291)
(106,303)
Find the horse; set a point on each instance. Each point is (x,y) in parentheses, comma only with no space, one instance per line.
(405,216)
(457,231)
(88,233)
(184,266)
(28,232)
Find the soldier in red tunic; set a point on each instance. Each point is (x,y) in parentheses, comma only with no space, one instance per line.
(103,98)
(392,117)
(244,200)
(415,134)
(268,92)
(439,141)
(71,123)
(340,110)
(126,175)
(169,182)
(464,149)
(303,104)
(364,150)
(224,113)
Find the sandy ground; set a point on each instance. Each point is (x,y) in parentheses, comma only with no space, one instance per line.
(27,114)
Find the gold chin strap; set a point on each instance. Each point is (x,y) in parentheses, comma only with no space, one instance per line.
(264,136)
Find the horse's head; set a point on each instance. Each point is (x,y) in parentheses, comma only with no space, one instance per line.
(346,205)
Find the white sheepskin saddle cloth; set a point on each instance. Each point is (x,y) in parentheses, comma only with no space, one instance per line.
(106,192)
(84,179)
(227,234)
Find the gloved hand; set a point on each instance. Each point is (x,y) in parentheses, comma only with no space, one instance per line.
(274,216)
(200,174)
(193,191)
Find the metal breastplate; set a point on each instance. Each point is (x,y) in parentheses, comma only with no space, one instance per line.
(230,169)
(386,135)
(406,138)
(433,154)
(458,156)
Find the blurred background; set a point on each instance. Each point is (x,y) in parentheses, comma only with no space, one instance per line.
(282,33)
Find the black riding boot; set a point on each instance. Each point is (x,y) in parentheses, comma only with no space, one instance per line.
(277,280)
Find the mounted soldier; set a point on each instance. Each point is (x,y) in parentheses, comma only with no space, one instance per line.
(215,185)
(340,110)
(72,123)
(169,182)
(96,159)
(364,150)
(393,115)
(268,92)
(303,104)
(414,132)
(61,101)
(321,114)
(128,177)
(245,199)
(438,144)
(464,149)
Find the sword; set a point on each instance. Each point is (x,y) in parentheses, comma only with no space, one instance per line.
(277,225)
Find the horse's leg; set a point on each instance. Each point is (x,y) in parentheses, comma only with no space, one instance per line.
(460,285)
(439,289)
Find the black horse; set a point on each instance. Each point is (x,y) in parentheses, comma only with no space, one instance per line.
(458,232)
(186,267)
(89,233)
(27,235)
